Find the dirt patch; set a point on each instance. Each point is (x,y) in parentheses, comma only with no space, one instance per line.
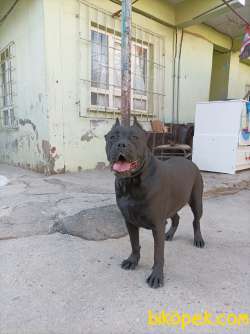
(228,189)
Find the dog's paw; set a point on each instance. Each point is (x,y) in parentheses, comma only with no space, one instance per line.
(130,263)
(169,236)
(199,242)
(155,280)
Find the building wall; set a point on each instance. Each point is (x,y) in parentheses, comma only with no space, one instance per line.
(79,141)
(62,58)
(27,144)
(239,77)
(51,97)
(195,75)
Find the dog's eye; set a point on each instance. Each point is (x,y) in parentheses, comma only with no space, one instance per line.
(112,137)
(135,137)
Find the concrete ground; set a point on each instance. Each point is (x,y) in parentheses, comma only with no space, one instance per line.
(55,283)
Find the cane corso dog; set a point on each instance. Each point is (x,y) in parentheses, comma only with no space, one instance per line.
(149,191)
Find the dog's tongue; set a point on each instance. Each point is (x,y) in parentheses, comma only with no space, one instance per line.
(121,166)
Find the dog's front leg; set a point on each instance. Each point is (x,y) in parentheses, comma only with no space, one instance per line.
(155,280)
(132,261)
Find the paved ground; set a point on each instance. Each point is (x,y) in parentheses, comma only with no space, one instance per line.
(31,203)
(63,284)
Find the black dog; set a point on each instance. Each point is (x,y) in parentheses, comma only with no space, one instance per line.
(148,191)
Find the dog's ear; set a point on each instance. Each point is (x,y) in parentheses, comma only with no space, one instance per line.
(137,124)
(117,122)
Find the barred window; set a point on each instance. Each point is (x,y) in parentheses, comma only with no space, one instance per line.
(6,87)
(100,65)
(105,50)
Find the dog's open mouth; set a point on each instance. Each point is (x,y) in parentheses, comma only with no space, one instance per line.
(122,165)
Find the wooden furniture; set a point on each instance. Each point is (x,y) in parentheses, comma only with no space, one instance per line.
(157,126)
(171,140)
(164,152)
(159,134)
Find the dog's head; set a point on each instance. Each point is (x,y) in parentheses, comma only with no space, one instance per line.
(126,148)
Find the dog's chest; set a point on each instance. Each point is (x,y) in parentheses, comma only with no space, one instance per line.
(133,203)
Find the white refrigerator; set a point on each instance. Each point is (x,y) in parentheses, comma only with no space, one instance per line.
(222,136)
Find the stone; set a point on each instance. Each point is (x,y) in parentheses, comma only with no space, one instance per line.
(93,224)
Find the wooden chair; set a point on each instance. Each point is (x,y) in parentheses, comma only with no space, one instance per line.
(157,126)
(175,145)
(159,135)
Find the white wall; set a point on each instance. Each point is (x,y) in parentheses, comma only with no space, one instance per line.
(24,26)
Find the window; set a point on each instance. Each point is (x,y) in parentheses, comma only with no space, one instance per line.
(100,66)
(6,87)
(106,72)
(99,69)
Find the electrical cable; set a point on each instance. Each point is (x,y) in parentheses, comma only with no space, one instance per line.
(8,12)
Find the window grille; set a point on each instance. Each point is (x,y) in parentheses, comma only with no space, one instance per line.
(100,65)
(7,70)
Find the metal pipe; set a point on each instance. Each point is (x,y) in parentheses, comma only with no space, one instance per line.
(178,76)
(174,74)
(126,62)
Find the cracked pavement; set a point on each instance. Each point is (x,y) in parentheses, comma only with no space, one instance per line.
(31,203)
(58,283)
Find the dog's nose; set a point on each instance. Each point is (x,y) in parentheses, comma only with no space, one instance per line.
(121,145)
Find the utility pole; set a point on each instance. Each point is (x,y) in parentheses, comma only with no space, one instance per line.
(126,62)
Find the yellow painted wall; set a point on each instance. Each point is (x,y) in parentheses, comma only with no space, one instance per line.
(159,8)
(239,77)
(196,64)
(211,35)
(188,11)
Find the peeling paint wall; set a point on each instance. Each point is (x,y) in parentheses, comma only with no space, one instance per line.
(24,27)
(80,140)
(52,136)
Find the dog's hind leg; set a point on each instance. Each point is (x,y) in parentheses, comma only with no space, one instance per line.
(175,222)
(196,207)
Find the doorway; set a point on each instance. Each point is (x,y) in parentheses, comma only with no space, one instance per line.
(220,76)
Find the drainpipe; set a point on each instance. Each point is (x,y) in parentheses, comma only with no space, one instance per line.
(178,77)
(174,73)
